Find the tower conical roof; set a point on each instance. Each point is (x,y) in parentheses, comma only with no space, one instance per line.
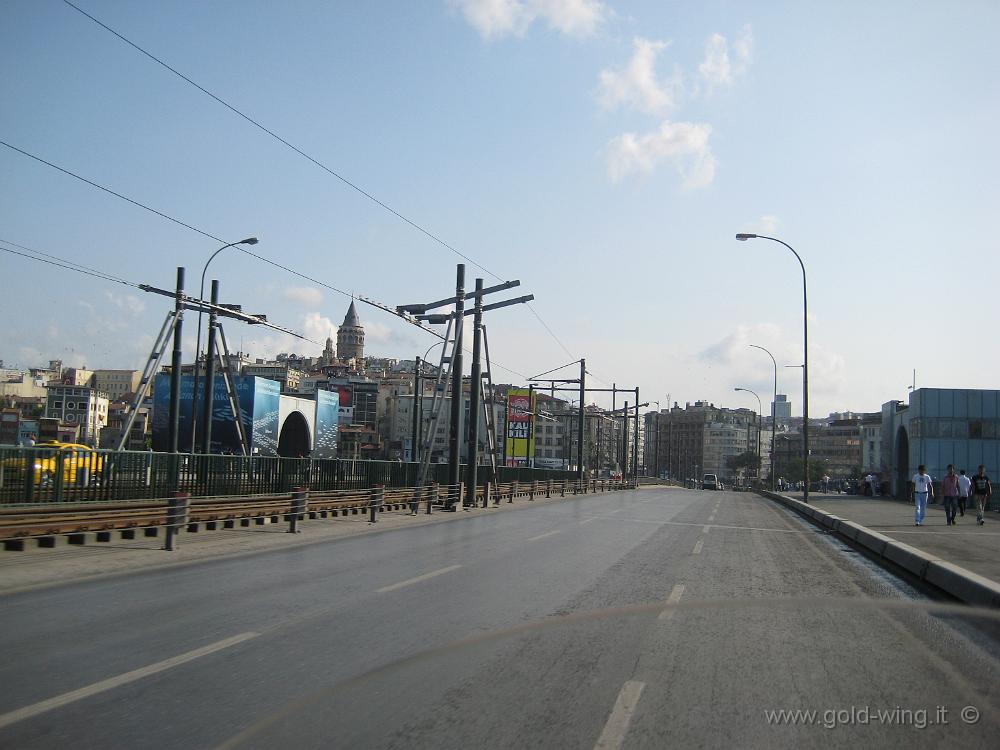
(351,320)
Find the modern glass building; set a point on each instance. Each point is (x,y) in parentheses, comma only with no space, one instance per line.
(940,426)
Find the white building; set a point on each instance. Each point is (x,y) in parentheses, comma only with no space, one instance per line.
(81,406)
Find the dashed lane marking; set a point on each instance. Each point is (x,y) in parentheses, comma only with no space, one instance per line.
(621,716)
(418,579)
(697,547)
(123,679)
(675,596)
(542,536)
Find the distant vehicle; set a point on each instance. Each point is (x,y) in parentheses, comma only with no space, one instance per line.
(81,465)
(710,482)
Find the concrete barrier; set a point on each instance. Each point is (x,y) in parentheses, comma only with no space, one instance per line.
(952,579)
(963,584)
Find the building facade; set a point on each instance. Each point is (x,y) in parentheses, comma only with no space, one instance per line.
(82,407)
(939,426)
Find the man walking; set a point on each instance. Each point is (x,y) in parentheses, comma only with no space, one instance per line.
(949,491)
(964,487)
(981,491)
(922,489)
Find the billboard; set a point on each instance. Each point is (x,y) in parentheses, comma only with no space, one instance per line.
(327,424)
(256,398)
(520,437)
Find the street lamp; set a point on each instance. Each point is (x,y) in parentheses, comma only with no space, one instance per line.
(197,347)
(805,356)
(774,420)
(418,403)
(759,409)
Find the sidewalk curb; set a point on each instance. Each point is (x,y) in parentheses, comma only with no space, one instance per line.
(952,579)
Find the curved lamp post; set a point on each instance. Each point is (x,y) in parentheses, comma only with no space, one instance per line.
(197,347)
(805,355)
(418,403)
(774,406)
(759,409)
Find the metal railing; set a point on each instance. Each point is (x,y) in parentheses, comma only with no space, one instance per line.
(82,523)
(50,475)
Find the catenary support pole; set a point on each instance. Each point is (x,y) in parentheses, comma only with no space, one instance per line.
(583,413)
(206,429)
(455,436)
(471,467)
(415,436)
(175,365)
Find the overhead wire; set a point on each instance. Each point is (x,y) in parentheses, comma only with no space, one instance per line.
(315,161)
(69,265)
(211,236)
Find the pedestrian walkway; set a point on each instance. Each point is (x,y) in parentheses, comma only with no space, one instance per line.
(976,548)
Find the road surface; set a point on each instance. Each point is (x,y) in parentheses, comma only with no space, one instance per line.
(644,619)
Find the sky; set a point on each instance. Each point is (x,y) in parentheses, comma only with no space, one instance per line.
(603,153)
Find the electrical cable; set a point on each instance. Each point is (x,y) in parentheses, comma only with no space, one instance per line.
(311,159)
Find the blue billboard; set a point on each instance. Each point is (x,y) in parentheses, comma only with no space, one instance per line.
(327,424)
(256,398)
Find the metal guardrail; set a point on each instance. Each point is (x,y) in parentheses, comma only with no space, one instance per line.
(79,523)
(49,475)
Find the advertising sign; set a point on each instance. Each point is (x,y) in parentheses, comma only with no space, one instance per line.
(327,424)
(256,398)
(520,437)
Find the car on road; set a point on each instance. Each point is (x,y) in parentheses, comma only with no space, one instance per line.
(710,482)
(79,464)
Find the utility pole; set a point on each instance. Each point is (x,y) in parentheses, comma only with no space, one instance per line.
(415,435)
(579,432)
(635,439)
(455,437)
(206,440)
(624,446)
(175,365)
(474,390)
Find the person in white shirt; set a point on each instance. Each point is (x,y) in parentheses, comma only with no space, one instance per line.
(923,488)
(964,487)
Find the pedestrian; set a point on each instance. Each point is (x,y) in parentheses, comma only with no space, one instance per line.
(949,491)
(964,486)
(922,489)
(981,491)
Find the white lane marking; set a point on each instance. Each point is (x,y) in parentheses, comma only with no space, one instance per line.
(588,520)
(621,716)
(711,518)
(697,547)
(418,579)
(618,510)
(704,529)
(542,536)
(123,679)
(675,596)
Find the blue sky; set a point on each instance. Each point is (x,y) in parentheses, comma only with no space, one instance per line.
(605,153)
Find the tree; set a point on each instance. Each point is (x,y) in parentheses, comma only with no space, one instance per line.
(794,471)
(745,460)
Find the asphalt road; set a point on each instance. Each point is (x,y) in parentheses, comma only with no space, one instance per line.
(652,618)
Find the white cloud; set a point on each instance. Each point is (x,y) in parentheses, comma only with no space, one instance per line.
(768,224)
(718,68)
(497,18)
(128,303)
(746,367)
(306,296)
(683,143)
(637,86)
(317,327)
(735,346)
